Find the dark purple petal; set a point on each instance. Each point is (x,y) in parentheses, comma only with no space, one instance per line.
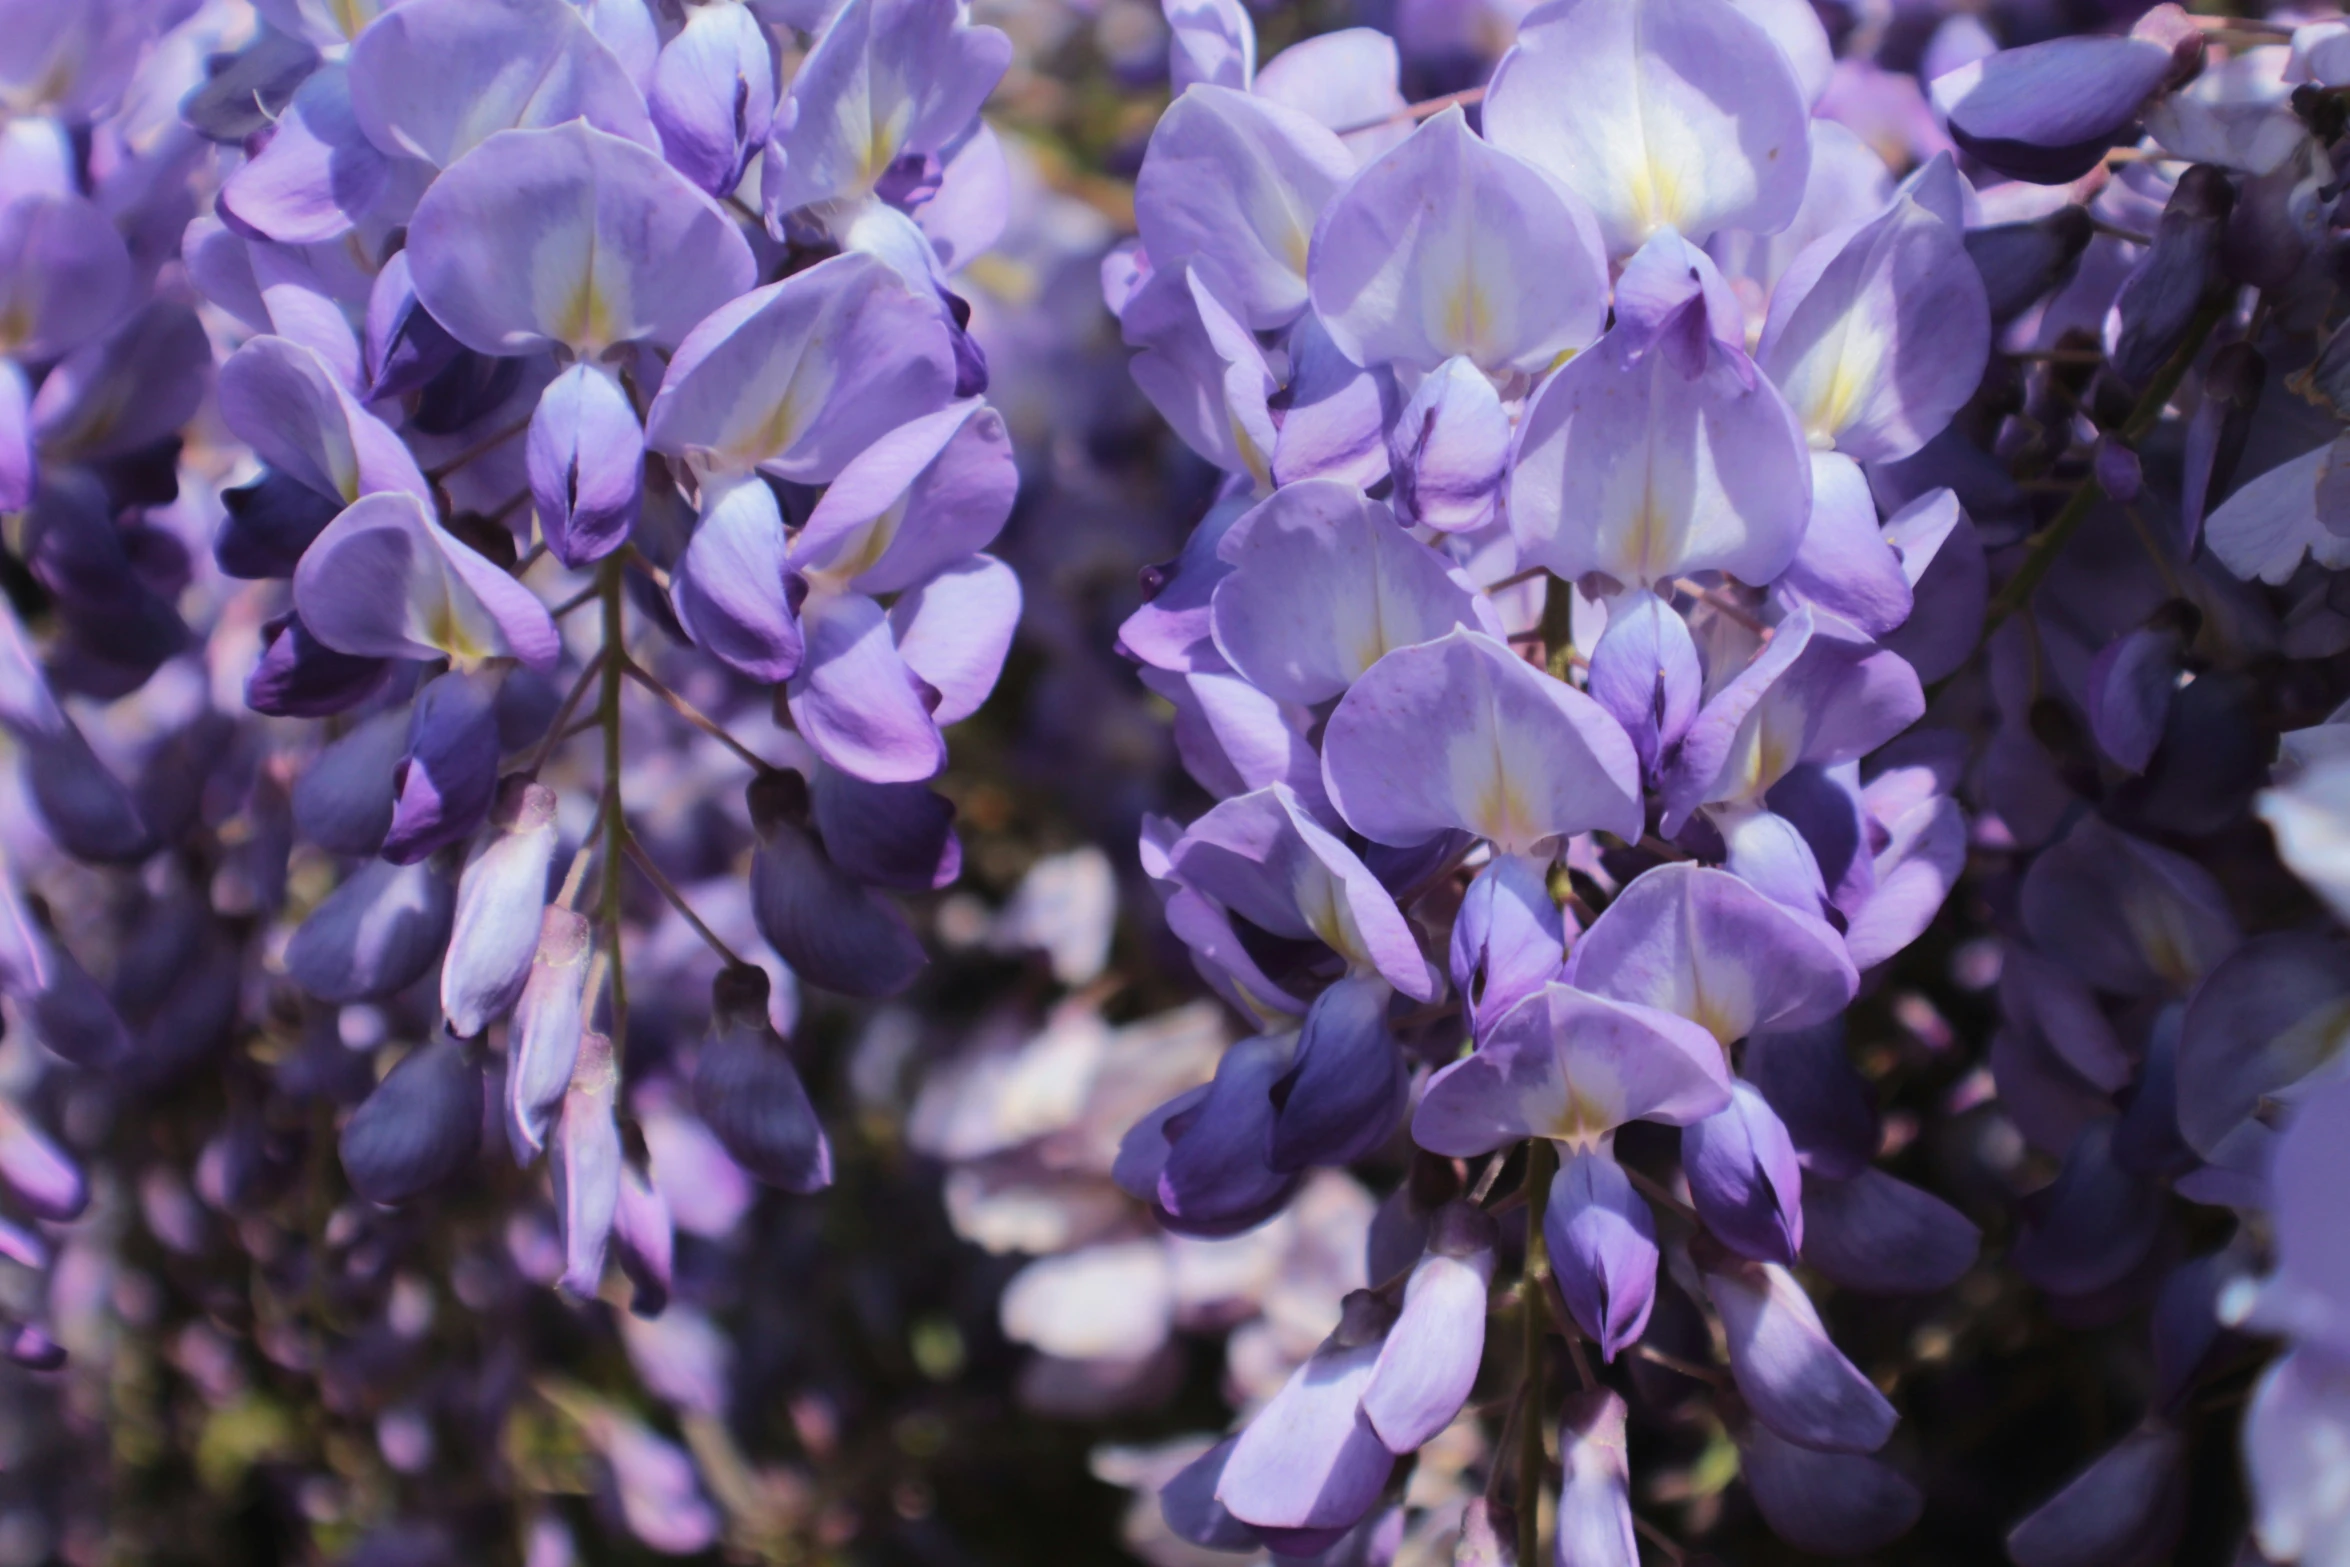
(1831,1504)
(269,523)
(1744,1179)
(748,1095)
(83,805)
(1204,1164)
(375,935)
(2124,1510)
(2095,1223)
(449,776)
(343,800)
(1347,1086)
(299,676)
(2049,111)
(1882,1236)
(1789,1372)
(2173,922)
(420,1127)
(900,835)
(834,932)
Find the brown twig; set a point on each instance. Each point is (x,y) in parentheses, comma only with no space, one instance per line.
(695,716)
(1426,108)
(654,874)
(554,735)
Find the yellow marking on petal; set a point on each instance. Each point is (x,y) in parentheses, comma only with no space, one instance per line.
(1833,409)
(1656,195)
(587,319)
(1321,903)
(1468,315)
(1583,1120)
(446,631)
(863,551)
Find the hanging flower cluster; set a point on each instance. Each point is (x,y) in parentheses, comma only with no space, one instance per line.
(575,354)
(1614,461)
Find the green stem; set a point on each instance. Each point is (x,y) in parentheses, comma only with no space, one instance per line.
(1541,1161)
(615,825)
(2050,541)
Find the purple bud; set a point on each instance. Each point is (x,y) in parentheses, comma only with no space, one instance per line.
(586,1166)
(499,899)
(420,1127)
(1595,1486)
(1447,449)
(449,777)
(1789,1372)
(832,931)
(73,1017)
(2129,691)
(2048,112)
(713,95)
(35,1350)
(1602,1242)
(1309,1466)
(246,91)
(586,455)
(1430,1359)
(343,800)
(376,934)
(1645,672)
(2157,303)
(1744,1179)
(748,1094)
(2023,263)
(645,1240)
(543,1042)
(1509,939)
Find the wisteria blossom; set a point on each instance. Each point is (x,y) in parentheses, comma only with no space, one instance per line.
(1441,782)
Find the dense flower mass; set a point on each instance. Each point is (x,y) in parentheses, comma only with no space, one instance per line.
(1596,613)
(1701,899)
